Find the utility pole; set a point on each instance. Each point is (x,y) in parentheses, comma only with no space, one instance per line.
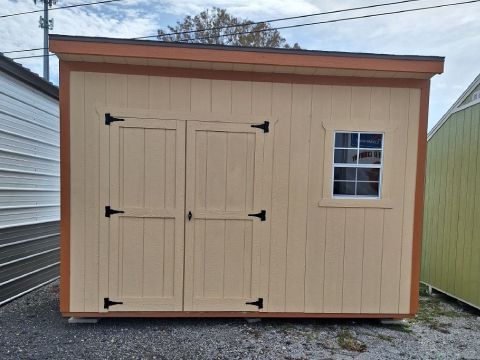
(46,24)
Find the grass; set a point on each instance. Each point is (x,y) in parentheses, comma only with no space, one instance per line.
(431,309)
(439,326)
(405,328)
(347,341)
(387,338)
(311,337)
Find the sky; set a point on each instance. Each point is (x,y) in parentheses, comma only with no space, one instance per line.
(453,32)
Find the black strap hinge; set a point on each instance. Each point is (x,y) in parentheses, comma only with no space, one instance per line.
(263,126)
(109,119)
(109,211)
(262,215)
(107,303)
(258,303)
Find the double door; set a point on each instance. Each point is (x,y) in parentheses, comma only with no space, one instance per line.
(187,215)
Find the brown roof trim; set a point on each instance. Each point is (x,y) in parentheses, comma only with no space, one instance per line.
(17,71)
(62,44)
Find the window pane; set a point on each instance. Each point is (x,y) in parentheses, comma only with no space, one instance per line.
(371,141)
(370,156)
(345,156)
(344,173)
(346,140)
(368,174)
(343,188)
(367,188)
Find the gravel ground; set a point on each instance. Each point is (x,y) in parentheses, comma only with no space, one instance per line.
(32,328)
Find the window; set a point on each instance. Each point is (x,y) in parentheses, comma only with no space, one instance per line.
(357,164)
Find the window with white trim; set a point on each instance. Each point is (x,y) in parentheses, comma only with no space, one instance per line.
(357,164)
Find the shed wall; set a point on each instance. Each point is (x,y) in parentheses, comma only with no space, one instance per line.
(321,256)
(451,245)
(29,187)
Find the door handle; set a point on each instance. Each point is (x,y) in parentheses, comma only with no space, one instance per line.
(189,216)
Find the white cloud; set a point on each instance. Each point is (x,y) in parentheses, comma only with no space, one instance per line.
(453,32)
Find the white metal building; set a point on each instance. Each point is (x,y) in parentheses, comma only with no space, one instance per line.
(29,180)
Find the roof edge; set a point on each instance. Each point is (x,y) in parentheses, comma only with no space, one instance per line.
(455,107)
(27,77)
(175,44)
(79,45)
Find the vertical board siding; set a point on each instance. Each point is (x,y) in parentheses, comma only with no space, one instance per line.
(393,218)
(261,104)
(95,87)
(281,108)
(77,191)
(451,244)
(297,202)
(314,259)
(116,96)
(316,220)
(408,208)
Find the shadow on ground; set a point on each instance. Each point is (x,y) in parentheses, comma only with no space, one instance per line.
(32,328)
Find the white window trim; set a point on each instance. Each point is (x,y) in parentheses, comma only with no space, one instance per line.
(365,166)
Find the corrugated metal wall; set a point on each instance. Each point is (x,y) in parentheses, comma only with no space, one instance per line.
(29,187)
(29,256)
(451,231)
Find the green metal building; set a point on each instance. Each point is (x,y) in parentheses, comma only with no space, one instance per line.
(451,231)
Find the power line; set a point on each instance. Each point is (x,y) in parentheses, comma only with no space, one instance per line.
(16,51)
(30,57)
(336,20)
(251,23)
(60,8)
(280,19)
(233,26)
(315,23)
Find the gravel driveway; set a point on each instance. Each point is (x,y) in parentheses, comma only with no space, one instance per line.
(32,328)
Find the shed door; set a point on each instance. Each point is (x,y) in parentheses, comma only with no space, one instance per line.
(147,183)
(222,242)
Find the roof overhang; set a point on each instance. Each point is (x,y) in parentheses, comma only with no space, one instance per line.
(29,78)
(75,48)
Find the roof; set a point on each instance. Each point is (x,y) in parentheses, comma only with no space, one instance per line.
(100,46)
(10,67)
(457,106)
(240,48)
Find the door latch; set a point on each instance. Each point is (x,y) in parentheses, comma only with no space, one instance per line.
(189,216)
(258,303)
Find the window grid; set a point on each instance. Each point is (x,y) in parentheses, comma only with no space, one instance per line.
(358,165)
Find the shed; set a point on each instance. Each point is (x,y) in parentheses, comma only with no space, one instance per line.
(451,249)
(29,181)
(202,180)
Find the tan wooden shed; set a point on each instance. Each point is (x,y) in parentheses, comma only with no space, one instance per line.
(222,181)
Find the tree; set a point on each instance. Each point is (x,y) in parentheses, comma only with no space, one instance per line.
(216,26)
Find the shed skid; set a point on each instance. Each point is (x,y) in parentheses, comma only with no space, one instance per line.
(195,185)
